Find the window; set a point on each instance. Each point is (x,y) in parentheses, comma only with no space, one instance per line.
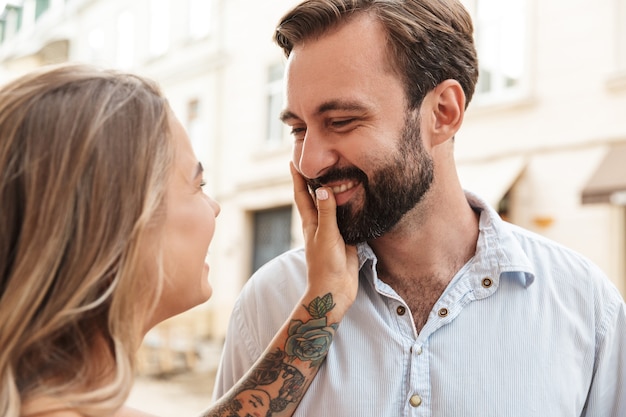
(272,234)
(125,40)
(159,27)
(274,105)
(200,18)
(40,7)
(501,38)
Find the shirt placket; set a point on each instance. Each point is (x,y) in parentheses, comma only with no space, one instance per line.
(418,402)
(419,393)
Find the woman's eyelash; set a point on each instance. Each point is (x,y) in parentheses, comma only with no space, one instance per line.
(202,183)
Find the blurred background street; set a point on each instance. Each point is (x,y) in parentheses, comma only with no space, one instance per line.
(182,395)
(180,391)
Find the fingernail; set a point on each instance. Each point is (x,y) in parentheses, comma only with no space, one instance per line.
(321,194)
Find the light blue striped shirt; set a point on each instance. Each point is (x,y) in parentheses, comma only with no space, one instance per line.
(525,328)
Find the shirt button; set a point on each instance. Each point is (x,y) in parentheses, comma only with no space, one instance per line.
(443,312)
(419,350)
(487,282)
(401,310)
(415,400)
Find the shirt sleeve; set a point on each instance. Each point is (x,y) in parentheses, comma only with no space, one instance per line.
(238,354)
(607,396)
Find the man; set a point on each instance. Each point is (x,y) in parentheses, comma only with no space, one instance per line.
(458,313)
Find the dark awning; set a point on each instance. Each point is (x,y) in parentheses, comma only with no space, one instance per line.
(608,183)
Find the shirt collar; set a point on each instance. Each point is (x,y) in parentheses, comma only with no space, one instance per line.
(497,248)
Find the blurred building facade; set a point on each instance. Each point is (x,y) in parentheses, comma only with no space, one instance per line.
(544,139)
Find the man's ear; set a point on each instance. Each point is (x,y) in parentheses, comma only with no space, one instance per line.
(445,108)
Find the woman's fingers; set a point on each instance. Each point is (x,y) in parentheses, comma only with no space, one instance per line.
(327,215)
(304,202)
(319,216)
(332,265)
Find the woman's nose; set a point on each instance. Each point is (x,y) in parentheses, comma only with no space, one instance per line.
(216,207)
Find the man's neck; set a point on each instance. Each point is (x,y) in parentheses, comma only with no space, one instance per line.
(419,258)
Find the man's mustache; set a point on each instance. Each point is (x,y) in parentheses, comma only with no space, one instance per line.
(337,174)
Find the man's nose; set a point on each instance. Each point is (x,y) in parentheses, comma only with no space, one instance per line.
(316,155)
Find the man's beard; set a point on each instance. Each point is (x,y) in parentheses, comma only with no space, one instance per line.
(393,190)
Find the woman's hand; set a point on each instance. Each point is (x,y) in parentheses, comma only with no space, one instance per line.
(331,264)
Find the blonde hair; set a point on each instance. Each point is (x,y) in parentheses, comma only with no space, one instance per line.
(84,160)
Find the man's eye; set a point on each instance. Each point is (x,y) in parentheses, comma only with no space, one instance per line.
(341,123)
(296,131)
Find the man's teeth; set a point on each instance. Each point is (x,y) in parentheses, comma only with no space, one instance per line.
(343,187)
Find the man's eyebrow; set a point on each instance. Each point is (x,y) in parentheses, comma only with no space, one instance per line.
(341,105)
(345,105)
(286,115)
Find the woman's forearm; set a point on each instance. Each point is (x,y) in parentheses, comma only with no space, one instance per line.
(280,377)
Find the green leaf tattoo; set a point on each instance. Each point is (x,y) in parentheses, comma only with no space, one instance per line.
(319,307)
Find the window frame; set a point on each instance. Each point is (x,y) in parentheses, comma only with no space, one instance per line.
(41,7)
(503,94)
(275,129)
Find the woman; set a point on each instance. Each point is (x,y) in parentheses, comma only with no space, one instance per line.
(104,231)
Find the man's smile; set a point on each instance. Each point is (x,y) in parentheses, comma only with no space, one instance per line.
(343,191)
(343,187)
